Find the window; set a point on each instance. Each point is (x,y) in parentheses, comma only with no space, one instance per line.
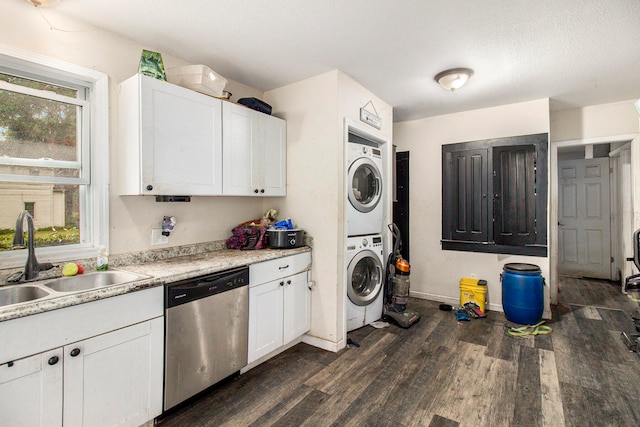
(31,208)
(494,195)
(53,156)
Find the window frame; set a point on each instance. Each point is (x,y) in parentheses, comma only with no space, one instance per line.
(489,245)
(95,193)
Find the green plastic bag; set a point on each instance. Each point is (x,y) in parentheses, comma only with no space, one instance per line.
(151,65)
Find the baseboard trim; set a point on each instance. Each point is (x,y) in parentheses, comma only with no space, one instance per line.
(546,314)
(451,300)
(323,344)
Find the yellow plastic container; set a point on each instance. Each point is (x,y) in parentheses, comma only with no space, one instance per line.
(473,290)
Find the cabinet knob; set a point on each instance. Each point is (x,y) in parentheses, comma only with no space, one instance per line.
(255,191)
(53,360)
(288,282)
(262,190)
(281,283)
(149,187)
(74,352)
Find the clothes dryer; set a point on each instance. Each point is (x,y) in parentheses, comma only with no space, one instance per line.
(365,209)
(365,279)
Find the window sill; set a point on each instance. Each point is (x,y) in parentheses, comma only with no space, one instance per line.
(492,248)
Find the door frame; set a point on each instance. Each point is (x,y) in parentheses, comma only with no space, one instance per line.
(553,199)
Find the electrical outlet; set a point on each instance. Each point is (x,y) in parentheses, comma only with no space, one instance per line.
(157,238)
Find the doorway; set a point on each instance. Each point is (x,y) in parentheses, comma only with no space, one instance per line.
(576,248)
(401,201)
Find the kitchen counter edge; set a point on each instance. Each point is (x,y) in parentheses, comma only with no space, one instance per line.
(159,273)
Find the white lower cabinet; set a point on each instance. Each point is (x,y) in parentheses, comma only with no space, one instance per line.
(101,381)
(31,390)
(279,309)
(108,382)
(113,377)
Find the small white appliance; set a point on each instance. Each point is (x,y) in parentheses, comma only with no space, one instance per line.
(365,279)
(365,209)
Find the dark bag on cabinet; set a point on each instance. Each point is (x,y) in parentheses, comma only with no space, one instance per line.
(256,104)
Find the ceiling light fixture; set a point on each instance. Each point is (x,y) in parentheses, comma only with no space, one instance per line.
(454,78)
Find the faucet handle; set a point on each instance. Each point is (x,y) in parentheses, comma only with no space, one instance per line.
(15,277)
(42,266)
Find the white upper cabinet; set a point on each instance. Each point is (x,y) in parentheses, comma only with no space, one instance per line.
(254,152)
(170,140)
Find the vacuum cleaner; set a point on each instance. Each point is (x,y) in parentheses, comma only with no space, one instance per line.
(397,285)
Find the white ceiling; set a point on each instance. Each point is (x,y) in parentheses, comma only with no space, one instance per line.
(576,52)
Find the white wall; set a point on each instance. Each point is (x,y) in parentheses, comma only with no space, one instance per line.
(435,274)
(313,180)
(604,120)
(131,218)
(315,110)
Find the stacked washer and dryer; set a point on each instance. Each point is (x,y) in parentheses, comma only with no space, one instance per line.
(365,215)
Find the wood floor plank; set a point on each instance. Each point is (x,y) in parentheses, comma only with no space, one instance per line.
(471,389)
(587,407)
(347,368)
(575,365)
(388,392)
(411,392)
(302,411)
(500,344)
(438,421)
(591,313)
(622,390)
(551,397)
(528,405)
(410,357)
(248,396)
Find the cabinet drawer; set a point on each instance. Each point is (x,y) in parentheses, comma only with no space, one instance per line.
(60,327)
(267,271)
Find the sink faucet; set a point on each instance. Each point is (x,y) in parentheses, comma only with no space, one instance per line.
(32,267)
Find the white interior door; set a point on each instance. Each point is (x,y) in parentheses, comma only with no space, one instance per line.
(584,225)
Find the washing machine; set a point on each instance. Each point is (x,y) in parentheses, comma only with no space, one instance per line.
(365,209)
(365,279)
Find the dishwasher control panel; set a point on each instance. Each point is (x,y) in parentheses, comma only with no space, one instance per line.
(199,287)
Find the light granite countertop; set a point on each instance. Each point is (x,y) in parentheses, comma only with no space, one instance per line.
(159,271)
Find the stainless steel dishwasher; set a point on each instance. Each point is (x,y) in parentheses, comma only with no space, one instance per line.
(207,320)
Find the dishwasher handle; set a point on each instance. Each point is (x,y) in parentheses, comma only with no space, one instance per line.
(204,286)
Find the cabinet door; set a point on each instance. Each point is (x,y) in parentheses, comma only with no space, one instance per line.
(31,390)
(297,307)
(240,165)
(181,139)
(115,378)
(254,152)
(274,174)
(265,319)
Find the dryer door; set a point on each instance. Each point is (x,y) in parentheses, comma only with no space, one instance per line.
(364,278)
(365,185)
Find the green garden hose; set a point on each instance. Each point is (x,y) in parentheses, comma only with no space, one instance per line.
(530,330)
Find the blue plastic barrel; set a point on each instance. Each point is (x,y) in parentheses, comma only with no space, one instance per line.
(522,293)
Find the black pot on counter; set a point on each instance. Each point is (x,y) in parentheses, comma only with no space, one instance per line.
(285,239)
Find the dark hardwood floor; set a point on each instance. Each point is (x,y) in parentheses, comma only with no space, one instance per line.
(441,372)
